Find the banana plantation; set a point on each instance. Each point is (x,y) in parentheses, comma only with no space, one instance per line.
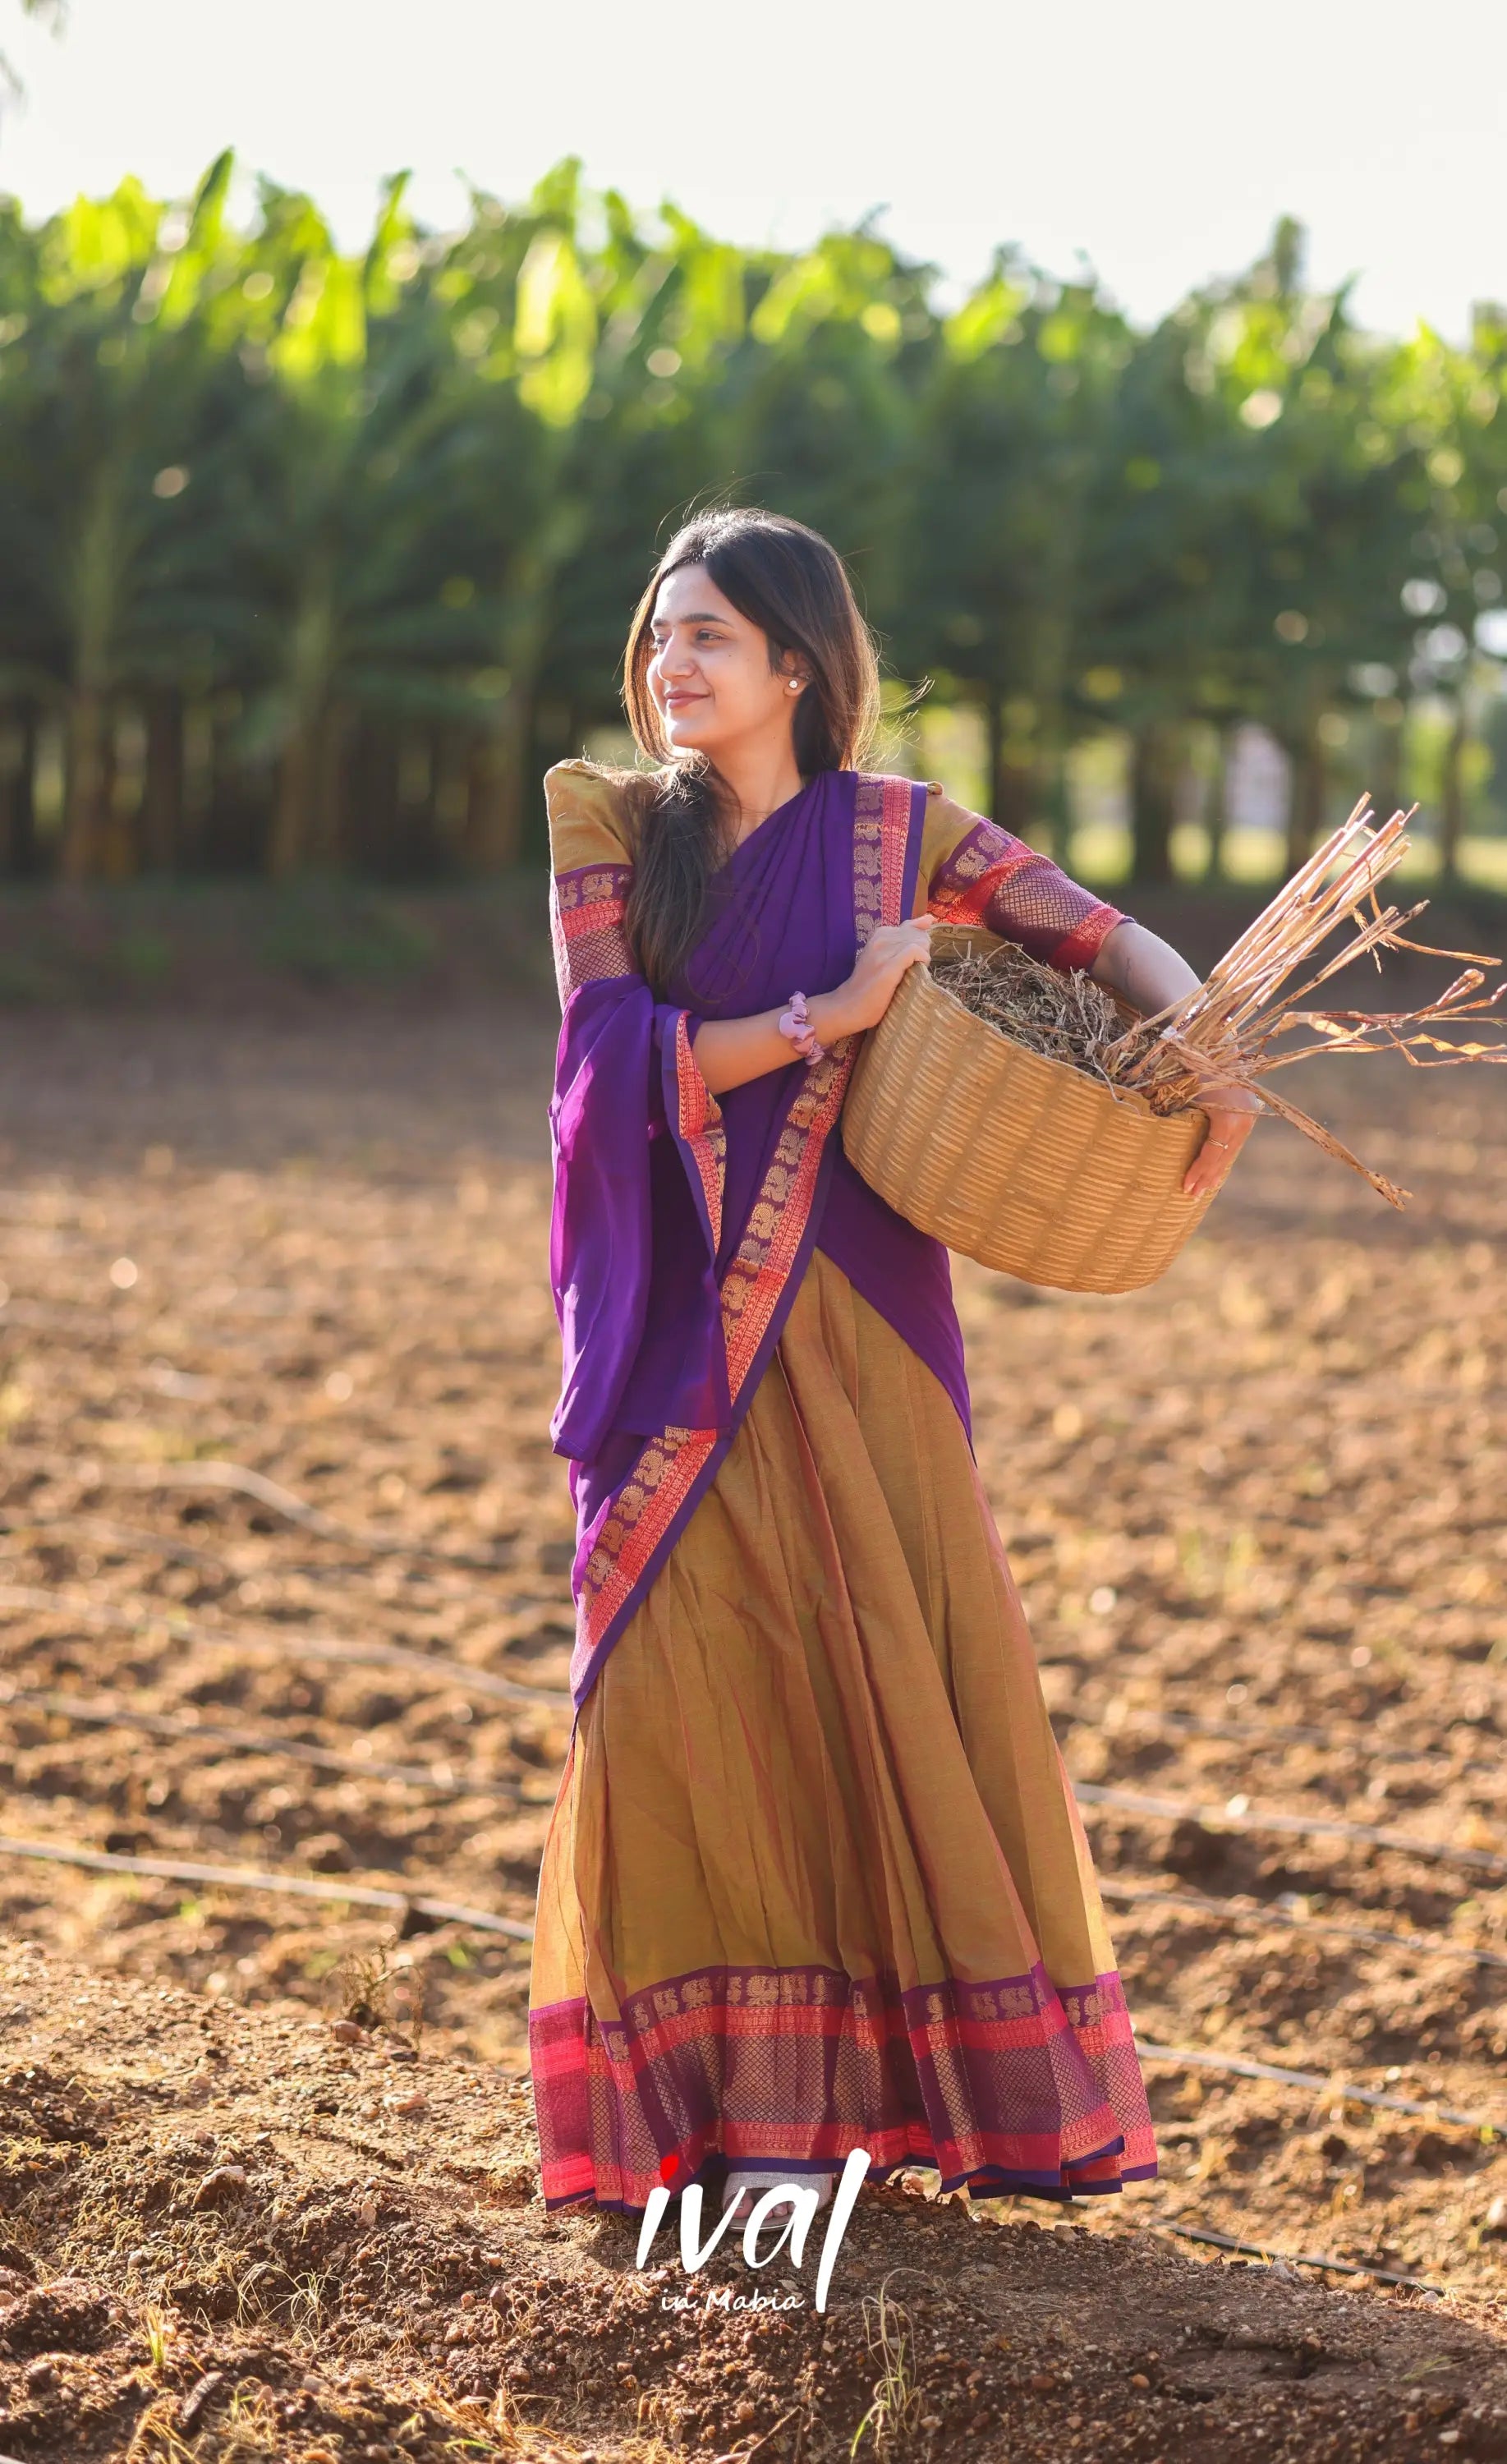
(314,561)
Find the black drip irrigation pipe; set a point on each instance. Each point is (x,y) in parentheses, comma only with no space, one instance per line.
(1295,2257)
(255,1741)
(1322,2083)
(1232,1912)
(245,1878)
(307,1646)
(1296,1826)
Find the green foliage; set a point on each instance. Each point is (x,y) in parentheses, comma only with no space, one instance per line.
(312,560)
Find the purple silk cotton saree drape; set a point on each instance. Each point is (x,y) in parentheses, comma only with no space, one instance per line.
(683,1224)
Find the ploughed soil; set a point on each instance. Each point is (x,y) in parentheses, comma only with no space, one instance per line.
(236,2233)
(1256,1513)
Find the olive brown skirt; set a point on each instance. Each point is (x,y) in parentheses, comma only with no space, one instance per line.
(815,1878)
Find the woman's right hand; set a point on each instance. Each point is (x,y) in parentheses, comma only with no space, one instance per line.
(862,1000)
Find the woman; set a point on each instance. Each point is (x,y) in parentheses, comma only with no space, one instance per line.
(815,1878)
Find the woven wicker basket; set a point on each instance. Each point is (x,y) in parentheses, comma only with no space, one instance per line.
(1018,1161)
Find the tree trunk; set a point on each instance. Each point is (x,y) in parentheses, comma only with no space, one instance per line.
(425,834)
(1219,789)
(1156,751)
(1390,739)
(498,798)
(495,816)
(993,750)
(1011,784)
(115,856)
(1307,801)
(414,765)
(85,783)
(1452,797)
(1058,812)
(18,796)
(201,783)
(93,593)
(240,807)
(293,813)
(1015,797)
(333,803)
(162,816)
(451,795)
(375,746)
(309,671)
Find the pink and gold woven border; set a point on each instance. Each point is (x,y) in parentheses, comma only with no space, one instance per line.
(995,880)
(755,1277)
(1016,2084)
(643,1511)
(587,908)
(1086,939)
(881,832)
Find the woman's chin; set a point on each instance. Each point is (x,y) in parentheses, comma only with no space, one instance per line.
(688,736)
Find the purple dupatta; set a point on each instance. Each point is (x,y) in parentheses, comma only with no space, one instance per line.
(683,1224)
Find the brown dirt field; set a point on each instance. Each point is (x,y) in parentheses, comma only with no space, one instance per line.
(236,2236)
(1256,1513)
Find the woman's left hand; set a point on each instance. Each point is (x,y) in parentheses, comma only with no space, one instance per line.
(1230,1125)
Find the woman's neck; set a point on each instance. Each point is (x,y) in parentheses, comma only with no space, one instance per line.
(754,782)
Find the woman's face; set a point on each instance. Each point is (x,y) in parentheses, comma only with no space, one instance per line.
(710,675)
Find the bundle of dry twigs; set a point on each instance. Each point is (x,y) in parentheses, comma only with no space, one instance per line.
(1233,1030)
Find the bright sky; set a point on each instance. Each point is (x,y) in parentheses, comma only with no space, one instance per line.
(1162,139)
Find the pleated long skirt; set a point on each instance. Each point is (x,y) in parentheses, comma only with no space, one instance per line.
(815,1878)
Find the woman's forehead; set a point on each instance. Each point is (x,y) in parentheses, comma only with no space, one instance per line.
(689,593)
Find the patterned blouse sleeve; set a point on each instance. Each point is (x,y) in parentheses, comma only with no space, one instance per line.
(974,872)
(590,873)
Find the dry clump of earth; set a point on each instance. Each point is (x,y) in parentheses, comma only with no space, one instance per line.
(1255,1517)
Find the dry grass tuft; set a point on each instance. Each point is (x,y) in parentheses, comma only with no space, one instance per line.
(360,1987)
(895,2411)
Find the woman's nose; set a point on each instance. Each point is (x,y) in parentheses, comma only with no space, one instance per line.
(674,658)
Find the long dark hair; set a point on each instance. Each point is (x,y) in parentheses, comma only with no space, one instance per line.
(792,584)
